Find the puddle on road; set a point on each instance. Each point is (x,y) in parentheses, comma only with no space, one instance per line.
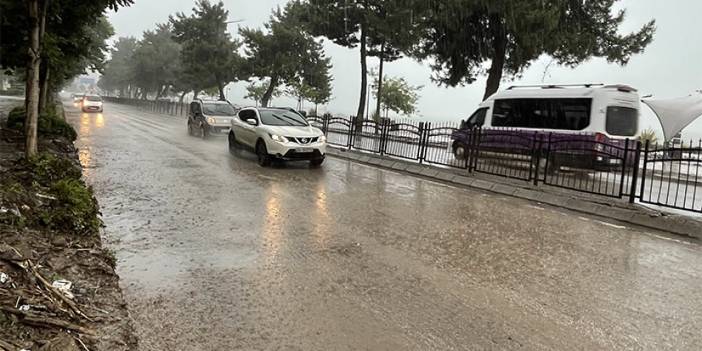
(159,270)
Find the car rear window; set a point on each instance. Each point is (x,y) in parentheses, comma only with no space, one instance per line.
(93,98)
(622,121)
(219,109)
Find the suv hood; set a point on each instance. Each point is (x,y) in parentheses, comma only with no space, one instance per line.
(303,132)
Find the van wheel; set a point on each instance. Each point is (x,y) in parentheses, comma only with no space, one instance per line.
(264,160)
(460,151)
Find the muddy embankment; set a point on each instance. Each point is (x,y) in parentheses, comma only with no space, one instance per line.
(58,286)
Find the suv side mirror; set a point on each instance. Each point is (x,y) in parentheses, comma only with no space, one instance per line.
(252,121)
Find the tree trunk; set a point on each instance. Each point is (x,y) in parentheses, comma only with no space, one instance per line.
(43,85)
(33,67)
(380,81)
(364,76)
(269,92)
(182,97)
(195,94)
(499,45)
(220,87)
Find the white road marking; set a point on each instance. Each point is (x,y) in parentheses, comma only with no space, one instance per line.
(612,225)
(536,207)
(669,239)
(584,219)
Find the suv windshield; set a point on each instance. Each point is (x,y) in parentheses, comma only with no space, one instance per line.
(282,118)
(93,98)
(219,110)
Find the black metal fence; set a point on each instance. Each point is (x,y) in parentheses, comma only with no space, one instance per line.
(663,176)
(173,108)
(672,176)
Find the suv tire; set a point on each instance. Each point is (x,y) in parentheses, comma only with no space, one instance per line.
(264,159)
(233,143)
(316,163)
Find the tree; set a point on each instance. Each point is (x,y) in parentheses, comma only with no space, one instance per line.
(284,54)
(256,91)
(370,25)
(69,54)
(118,72)
(398,96)
(209,55)
(155,60)
(313,82)
(29,27)
(460,36)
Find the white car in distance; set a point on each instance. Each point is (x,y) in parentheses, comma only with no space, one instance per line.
(277,134)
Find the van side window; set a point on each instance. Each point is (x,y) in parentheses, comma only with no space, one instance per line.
(564,114)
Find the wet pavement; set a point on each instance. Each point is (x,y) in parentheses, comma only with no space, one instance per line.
(216,253)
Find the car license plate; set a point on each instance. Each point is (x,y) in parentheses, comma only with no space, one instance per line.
(303,150)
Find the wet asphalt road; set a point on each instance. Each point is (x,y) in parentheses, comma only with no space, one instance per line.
(216,253)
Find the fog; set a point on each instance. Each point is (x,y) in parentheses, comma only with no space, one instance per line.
(668,68)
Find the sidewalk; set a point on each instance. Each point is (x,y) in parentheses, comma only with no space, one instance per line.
(619,210)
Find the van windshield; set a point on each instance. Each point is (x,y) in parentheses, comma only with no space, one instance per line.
(622,121)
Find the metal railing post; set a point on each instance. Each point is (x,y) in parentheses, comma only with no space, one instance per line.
(538,145)
(423,141)
(643,172)
(621,182)
(352,131)
(635,175)
(548,156)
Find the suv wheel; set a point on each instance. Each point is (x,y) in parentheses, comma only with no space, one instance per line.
(316,163)
(264,160)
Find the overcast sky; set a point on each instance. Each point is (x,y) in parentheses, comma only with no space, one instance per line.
(670,66)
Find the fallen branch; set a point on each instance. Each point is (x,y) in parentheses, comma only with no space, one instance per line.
(46,322)
(56,292)
(4,345)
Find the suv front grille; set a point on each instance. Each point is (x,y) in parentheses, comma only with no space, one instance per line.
(304,141)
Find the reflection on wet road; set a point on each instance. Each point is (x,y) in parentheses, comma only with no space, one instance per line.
(216,253)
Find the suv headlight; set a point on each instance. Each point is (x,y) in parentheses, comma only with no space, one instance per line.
(211,120)
(279,138)
(322,139)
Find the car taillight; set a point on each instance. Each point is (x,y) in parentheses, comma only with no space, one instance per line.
(599,141)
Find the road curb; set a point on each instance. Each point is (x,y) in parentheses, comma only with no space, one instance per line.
(617,210)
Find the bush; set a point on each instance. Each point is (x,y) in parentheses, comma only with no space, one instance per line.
(75,208)
(47,169)
(50,123)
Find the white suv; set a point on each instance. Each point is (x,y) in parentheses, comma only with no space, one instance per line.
(277,134)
